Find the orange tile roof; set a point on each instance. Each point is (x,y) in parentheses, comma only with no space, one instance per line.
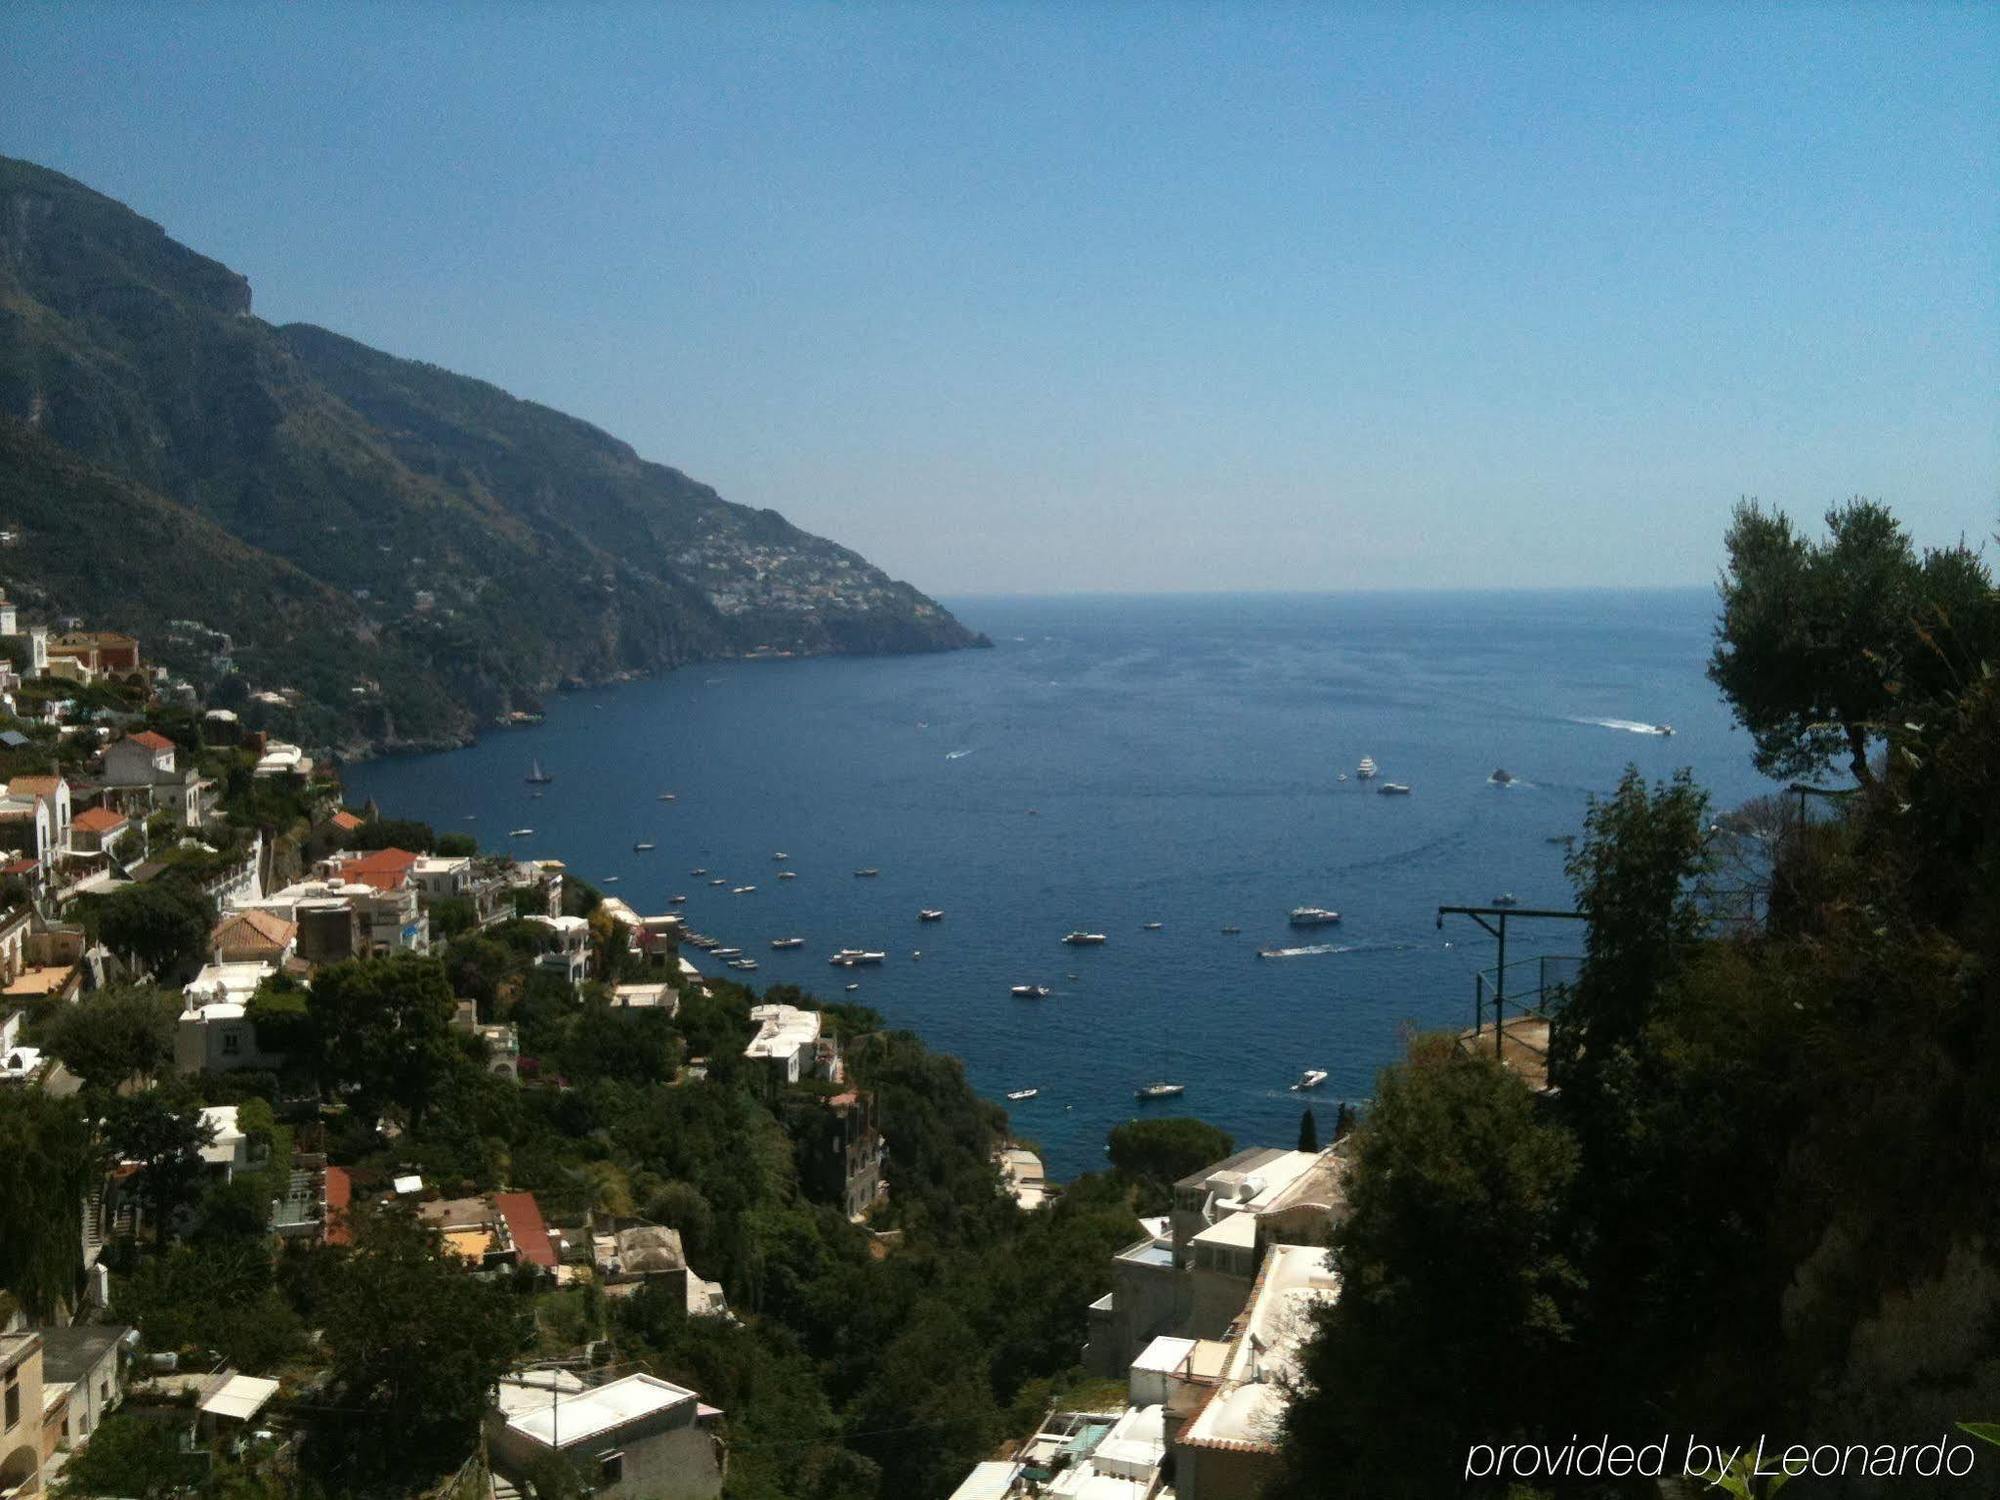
(346,821)
(268,926)
(385,869)
(98,820)
(524,1223)
(151,740)
(339,1193)
(33,786)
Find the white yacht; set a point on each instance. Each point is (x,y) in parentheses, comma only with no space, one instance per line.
(867,874)
(677,901)
(1017,1096)
(1367,769)
(788,874)
(745,964)
(726,953)
(1393,789)
(519,833)
(718,881)
(742,890)
(1029,992)
(791,942)
(1313,916)
(1159,1091)
(641,847)
(1085,939)
(1154,926)
(930,914)
(848,958)
(780,856)
(1312,1078)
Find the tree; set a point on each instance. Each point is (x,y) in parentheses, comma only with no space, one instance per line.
(1308,1131)
(415,1347)
(163,924)
(161,1129)
(134,1459)
(49,1163)
(1455,1291)
(1158,1153)
(384,1029)
(114,1034)
(1819,642)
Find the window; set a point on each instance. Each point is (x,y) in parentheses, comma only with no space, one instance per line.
(610,1468)
(231,1044)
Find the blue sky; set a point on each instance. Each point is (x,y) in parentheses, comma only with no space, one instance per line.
(1112,296)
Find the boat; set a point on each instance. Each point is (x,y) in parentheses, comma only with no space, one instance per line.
(742,890)
(782,944)
(868,874)
(1664,731)
(1312,1078)
(641,847)
(745,964)
(666,796)
(702,940)
(1500,776)
(788,874)
(1017,1096)
(1159,1091)
(1313,916)
(519,833)
(1030,992)
(1393,789)
(1154,926)
(537,776)
(727,952)
(1085,939)
(1507,898)
(1367,769)
(718,881)
(1341,777)
(1231,931)
(535,795)
(609,880)
(780,856)
(930,914)
(697,872)
(852,988)
(848,958)
(677,901)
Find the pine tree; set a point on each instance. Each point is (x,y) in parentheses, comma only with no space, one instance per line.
(1308,1131)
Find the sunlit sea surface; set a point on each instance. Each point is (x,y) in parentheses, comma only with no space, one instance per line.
(1110,763)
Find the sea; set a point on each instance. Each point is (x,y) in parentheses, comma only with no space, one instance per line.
(1115,762)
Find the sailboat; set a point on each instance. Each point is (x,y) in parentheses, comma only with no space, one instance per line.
(537,776)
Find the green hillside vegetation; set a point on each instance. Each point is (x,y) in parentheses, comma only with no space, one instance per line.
(505,548)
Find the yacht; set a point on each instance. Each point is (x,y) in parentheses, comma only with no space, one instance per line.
(537,776)
(1313,916)
(718,881)
(727,953)
(742,890)
(1500,776)
(701,940)
(1085,939)
(781,944)
(1312,1078)
(641,847)
(780,856)
(1159,1091)
(788,874)
(1018,1096)
(697,872)
(848,958)
(1393,789)
(745,964)
(677,901)
(930,914)
(868,874)
(1030,992)
(1154,926)
(1367,769)
(519,833)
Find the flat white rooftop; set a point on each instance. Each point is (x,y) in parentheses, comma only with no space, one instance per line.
(987,1481)
(578,1418)
(240,1397)
(781,1030)
(1263,1359)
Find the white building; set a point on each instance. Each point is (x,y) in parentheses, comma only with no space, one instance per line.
(213,1033)
(639,1436)
(565,947)
(788,1042)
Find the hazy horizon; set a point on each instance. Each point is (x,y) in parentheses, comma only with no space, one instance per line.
(1026,300)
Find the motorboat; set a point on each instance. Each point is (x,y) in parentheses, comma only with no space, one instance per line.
(1231,931)
(1393,789)
(1154,926)
(868,874)
(848,958)
(930,914)
(519,833)
(741,890)
(1367,770)
(702,940)
(609,880)
(697,872)
(677,901)
(1159,1091)
(1664,731)
(537,776)
(781,944)
(726,953)
(641,847)
(745,964)
(1507,898)
(1030,992)
(718,881)
(1500,776)
(1312,1078)
(852,988)
(780,856)
(1085,939)
(666,796)
(1313,916)
(1019,1096)
(788,874)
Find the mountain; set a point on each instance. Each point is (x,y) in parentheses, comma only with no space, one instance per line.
(465,551)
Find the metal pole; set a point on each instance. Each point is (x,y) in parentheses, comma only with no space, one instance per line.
(1500,992)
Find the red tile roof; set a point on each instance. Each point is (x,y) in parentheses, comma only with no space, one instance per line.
(339,1194)
(151,740)
(524,1224)
(98,820)
(33,786)
(385,869)
(346,821)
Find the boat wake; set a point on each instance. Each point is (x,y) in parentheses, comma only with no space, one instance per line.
(1630,726)
(1314,950)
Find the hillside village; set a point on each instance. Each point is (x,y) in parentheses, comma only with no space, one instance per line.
(295,1096)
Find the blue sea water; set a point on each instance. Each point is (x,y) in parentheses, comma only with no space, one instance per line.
(1116,761)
